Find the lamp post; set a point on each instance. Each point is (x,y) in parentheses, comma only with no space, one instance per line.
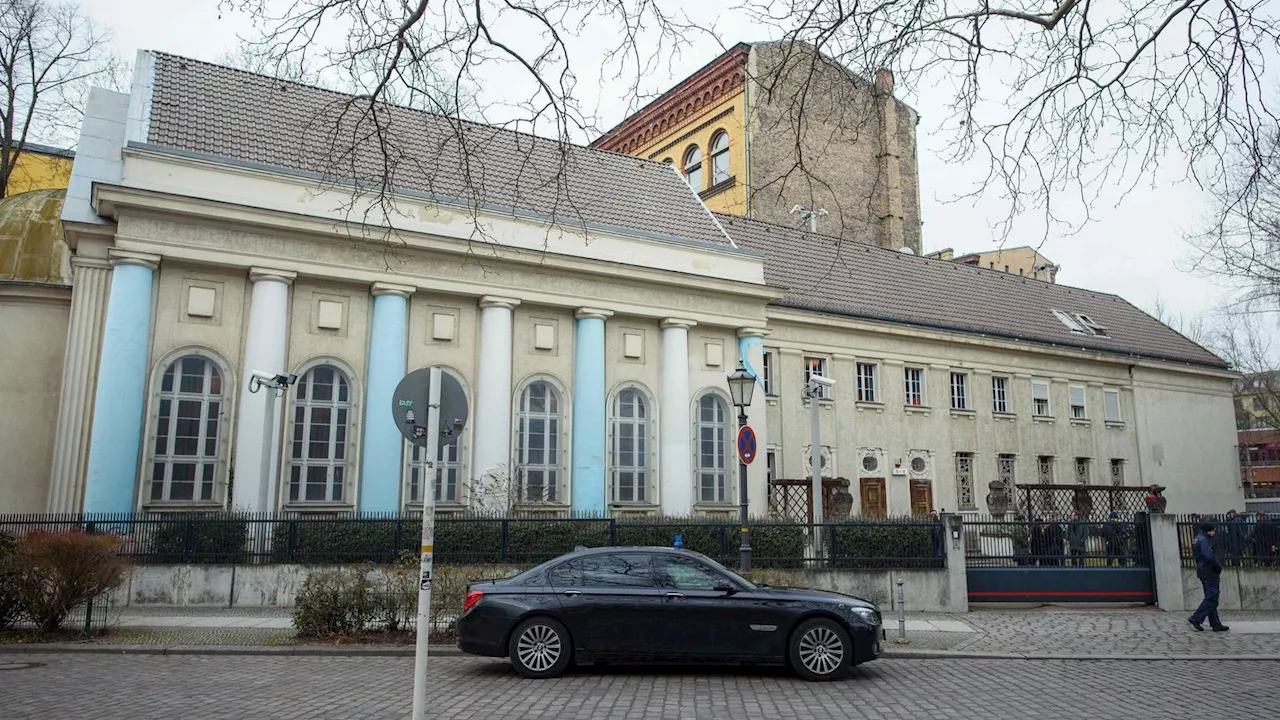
(742,386)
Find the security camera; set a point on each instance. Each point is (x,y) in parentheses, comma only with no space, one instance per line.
(275,381)
(822,381)
(264,377)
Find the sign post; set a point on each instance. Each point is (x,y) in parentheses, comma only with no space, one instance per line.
(445,404)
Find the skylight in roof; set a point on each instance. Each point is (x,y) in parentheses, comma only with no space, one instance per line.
(1080,324)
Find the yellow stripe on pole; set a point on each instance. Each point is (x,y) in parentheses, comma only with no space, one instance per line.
(428,548)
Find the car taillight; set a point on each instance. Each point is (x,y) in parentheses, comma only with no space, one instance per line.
(473,597)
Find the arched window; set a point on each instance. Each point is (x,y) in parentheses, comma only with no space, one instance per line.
(629,465)
(188,428)
(709,439)
(448,469)
(693,168)
(719,158)
(538,443)
(321,424)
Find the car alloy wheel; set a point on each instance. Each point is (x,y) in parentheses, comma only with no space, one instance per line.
(540,648)
(820,650)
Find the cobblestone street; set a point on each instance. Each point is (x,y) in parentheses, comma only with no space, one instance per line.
(192,687)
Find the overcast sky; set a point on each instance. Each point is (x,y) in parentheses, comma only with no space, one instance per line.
(1134,249)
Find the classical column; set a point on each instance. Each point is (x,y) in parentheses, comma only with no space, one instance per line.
(264,350)
(589,416)
(112,474)
(675,428)
(491,426)
(751,353)
(90,280)
(380,459)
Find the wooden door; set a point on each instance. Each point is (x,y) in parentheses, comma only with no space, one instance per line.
(921,497)
(874,501)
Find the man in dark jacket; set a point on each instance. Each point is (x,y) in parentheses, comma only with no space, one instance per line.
(1078,538)
(1209,570)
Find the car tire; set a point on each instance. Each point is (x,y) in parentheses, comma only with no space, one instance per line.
(540,648)
(820,649)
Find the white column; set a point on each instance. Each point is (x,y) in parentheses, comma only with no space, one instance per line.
(264,350)
(751,352)
(491,424)
(675,427)
(91,279)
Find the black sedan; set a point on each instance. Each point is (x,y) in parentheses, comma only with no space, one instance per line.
(654,604)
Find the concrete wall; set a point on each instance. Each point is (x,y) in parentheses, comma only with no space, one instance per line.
(1241,589)
(33,337)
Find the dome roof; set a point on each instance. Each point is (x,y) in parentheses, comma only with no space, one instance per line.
(33,247)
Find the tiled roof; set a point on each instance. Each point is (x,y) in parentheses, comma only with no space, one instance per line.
(231,114)
(826,274)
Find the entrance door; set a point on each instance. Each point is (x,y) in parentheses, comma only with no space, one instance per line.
(921,497)
(874,501)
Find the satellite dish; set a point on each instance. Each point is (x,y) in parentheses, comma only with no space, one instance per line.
(906,251)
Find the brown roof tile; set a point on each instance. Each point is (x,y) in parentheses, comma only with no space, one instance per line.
(825,274)
(211,110)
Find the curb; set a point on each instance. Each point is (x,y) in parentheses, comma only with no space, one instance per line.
(408,651)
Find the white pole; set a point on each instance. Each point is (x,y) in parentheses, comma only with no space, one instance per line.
(268,435)
(815,468)
(428,549)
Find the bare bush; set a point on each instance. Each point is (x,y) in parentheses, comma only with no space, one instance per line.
(58,572)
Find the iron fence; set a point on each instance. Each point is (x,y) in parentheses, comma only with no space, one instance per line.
(92,618)
(1249,540)
(998,542)
(470,539)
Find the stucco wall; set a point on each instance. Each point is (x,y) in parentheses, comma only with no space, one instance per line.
(34,336)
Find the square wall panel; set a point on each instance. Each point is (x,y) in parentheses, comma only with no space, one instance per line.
(544,337)
(715,354)
(442,326)
(200,301)
(329,315)
(632,345)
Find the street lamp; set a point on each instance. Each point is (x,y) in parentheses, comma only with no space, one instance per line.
(742,385)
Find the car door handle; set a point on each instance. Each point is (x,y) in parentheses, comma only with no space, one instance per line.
(674,595)
(572,593)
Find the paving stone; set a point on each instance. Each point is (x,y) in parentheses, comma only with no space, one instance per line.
(196,687)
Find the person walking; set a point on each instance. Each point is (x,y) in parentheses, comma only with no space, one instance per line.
(1078,539)
(1209,570)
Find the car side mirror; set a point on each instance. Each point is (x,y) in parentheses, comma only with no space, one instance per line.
(725,586)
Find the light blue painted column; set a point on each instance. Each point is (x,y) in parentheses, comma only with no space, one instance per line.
(748,345)
(380,456)
(112,476)
(589,414)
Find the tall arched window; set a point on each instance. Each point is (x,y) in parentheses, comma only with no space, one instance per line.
(719,158)
(629,466)
(448,469)
(321,425)
(693,168)
(188,428)
(538,443)
(709,439)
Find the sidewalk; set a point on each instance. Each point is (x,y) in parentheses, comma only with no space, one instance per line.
(1045,632)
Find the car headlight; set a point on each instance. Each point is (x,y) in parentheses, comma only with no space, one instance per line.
(867,615)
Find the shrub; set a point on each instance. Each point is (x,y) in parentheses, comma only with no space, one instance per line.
(10,601)
(199,539)
(57,572)
(344,541)
(772,545)
(334,603)
(872,545)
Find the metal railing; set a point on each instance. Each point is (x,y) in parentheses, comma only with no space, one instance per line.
(184,538)
(998,542)
(1245,540)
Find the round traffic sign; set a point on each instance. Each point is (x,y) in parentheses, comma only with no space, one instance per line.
(412,398)
(747,444)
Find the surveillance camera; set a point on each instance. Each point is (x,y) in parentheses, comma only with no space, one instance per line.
(820,380)
(287,378)
(263,377)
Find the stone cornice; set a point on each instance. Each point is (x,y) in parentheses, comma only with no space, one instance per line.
(383,288)
(704,88)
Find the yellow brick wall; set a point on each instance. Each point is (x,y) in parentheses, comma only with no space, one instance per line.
(36,171)
(698,129)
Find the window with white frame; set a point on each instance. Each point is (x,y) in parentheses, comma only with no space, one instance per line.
(321,423)
(1005,468)
(867,382)
(1117,471)
(629,465)
(538,443)
(1076,395)
(817,366)
(719,158)
(448,470)
(188,428)
(771,465)
(964,481)
(693,168)
(766,374)
(709,444)
(1040,398)
(1082,470)
(999,394)
(1044,469)
(1111,404)
(913,382)
(959,391)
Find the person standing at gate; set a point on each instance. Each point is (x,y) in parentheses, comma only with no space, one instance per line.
(1209,570)
(1078,539)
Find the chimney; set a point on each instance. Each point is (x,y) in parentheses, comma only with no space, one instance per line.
(889,180)
(884,80)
